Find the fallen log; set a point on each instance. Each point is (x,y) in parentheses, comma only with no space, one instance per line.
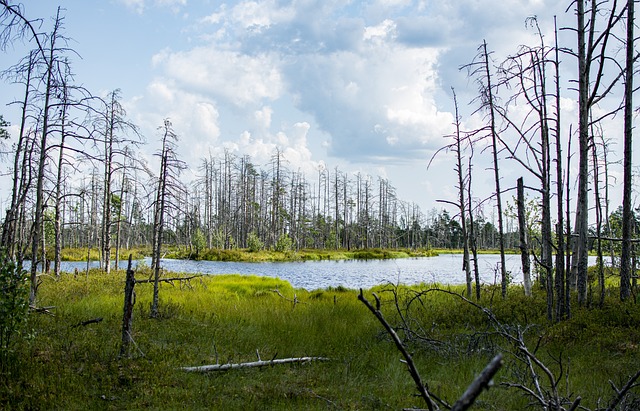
(85,323)
(168,280)
(225,367)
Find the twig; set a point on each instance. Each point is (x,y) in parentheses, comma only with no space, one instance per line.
(295,300)
(629,385)
(42,310)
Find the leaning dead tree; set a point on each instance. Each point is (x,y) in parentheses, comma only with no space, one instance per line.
(481,383)
(535,379)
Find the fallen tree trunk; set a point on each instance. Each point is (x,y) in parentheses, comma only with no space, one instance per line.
(225,367)
(85,323)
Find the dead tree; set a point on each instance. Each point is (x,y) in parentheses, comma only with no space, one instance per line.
(524,246)
(458,149)
(627,212)
(467,399)
(115,130)
(593,44)
(481,70)
(526,73)
(127,317)
(168,188)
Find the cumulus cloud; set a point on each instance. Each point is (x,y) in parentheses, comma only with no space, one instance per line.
(237,78)
(369,81)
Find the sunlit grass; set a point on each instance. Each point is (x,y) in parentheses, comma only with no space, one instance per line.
(232,318)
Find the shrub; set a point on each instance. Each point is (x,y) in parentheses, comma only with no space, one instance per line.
(253,242)
(284,243)
(14,305)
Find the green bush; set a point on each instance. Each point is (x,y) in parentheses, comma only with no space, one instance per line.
(284,243)
(253,242)
(14,306)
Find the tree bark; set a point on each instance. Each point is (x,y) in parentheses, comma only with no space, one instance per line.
(524,246)
(627,212)
(127,317)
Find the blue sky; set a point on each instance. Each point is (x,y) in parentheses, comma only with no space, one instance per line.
(363,86)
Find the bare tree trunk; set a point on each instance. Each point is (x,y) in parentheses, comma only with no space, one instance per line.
(473,243)
(462,204)
(582,210)
(10,228)
(37,236)
(560,250)
(58,193)
(524,247)
(496,172)
(627,212)
(127,317)
(598,209)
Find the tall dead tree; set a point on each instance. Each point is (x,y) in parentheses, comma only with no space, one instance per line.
(116,128)
(458,149)
(480,68)
(526,73)
(168,188)
(49,81)
(593,46)
(562,300)
(627,212)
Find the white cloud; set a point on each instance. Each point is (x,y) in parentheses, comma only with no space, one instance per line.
(383,31)
(226,74)
(256,15)
(139,6)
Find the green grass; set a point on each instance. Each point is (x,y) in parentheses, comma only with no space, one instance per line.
(214,254)
(228,318)
(80,254)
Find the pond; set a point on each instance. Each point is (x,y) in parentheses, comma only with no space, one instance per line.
(311,275)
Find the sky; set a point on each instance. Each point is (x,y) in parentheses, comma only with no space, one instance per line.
(364,86)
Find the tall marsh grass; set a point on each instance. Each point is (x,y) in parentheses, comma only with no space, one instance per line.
(232,318)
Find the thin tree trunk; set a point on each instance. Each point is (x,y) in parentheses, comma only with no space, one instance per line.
(524,247)
(627,212)
(38,236)
(560,250)
(127,317)
(582,210)
(496,172)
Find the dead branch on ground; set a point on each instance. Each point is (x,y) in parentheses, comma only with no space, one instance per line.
(254,364)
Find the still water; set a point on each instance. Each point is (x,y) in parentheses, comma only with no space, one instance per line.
(310,275)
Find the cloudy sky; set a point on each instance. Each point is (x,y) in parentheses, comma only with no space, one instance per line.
(360,85)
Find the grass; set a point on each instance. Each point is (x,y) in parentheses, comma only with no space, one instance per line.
(221,319)
(214,254)
(298,255)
